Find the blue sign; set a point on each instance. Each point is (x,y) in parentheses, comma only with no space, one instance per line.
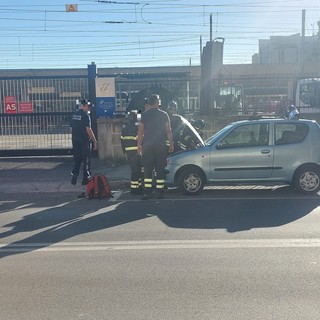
(105,107)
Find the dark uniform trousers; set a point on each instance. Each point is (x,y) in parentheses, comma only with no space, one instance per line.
(129,147)
(134,160)
(82,154)
(154,158)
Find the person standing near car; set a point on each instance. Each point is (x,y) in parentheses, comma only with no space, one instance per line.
(153,131)
(184,138)
(176,124)
(129,135)
(82,137)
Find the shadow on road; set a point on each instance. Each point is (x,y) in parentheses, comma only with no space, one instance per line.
(65,218)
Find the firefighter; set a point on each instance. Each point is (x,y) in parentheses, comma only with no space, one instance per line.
(153,131)
(176,124)
(198,125)
(183,136)
(129,148)
(187,139)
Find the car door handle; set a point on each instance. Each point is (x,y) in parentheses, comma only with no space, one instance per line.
(265,151)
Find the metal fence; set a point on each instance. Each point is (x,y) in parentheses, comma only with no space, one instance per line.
(35,117)
(52,99)
(44,94)
(42,133)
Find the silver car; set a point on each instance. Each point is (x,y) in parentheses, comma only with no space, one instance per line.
(265,151)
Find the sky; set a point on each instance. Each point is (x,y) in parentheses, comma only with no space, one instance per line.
(38,34)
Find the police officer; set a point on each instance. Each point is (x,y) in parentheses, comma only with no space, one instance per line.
(129,136)
(82,136)
(153,131)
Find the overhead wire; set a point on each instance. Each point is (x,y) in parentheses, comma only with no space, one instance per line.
(171,10)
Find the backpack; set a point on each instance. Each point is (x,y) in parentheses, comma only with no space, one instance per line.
(98,187)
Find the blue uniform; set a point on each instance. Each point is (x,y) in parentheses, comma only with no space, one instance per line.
(81,144)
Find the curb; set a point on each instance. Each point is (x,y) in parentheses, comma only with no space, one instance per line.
(33,187)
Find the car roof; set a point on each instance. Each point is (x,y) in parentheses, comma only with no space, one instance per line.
(275,120)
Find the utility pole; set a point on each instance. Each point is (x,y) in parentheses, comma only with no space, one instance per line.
(303,35)
(211,27)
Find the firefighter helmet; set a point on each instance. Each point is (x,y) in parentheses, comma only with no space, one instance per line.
(172,107)
(198,124)
(292,113)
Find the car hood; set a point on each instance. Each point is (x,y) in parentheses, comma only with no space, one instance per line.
(188,156)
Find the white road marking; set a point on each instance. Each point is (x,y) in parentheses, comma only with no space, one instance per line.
(116,195)
(161,244)
(245,187)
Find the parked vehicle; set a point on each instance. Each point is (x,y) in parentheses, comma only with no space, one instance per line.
(265,151)
(308,95)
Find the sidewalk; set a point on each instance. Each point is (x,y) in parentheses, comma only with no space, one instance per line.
(52,174)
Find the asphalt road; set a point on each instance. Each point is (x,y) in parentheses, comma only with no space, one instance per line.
(227,254)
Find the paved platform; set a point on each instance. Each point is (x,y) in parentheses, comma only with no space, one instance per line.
(52,174)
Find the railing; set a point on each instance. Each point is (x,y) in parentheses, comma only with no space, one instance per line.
(39,131)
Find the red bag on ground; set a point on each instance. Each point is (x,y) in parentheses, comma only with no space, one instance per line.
(98,187)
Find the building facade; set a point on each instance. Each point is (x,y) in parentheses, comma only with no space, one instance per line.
(40,101)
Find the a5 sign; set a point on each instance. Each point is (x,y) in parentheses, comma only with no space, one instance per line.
(10,104)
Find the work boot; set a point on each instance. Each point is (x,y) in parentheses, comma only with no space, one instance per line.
(85,181)
(82,195)
(86,177)
(74,178)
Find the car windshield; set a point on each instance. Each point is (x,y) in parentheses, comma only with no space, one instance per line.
(212,139)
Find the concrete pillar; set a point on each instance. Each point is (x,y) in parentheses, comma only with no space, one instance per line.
(109,139)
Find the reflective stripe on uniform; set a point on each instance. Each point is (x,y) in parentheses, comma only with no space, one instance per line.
(148,183)
(182,146)
(129,137)
(160,184)
(131,148)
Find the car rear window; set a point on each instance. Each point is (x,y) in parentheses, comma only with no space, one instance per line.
(286,133)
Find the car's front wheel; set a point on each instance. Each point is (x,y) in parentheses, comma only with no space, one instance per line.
(307,179)
(191,181)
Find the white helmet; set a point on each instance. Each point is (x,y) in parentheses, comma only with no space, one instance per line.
(172,106)
(292,113)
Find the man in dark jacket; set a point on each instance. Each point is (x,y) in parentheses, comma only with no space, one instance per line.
(154,129)
(82,136)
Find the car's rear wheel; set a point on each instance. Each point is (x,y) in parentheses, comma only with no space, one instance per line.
(191,181)
(307,179)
